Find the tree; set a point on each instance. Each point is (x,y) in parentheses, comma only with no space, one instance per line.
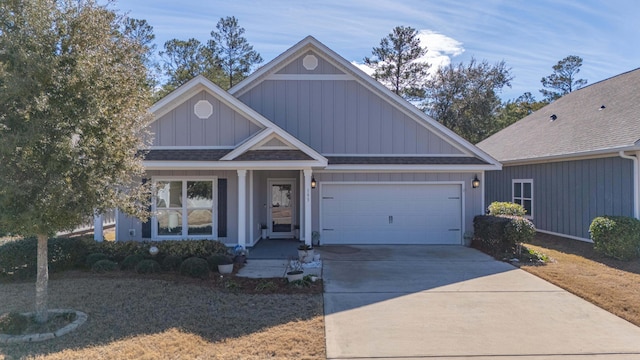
(73,102)
(514,110)
(395,63)
(232,50)
(186,59)
(465,99)
(141,32)
(563,80)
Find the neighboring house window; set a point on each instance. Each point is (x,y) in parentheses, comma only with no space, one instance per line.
(185,208)
(523,195)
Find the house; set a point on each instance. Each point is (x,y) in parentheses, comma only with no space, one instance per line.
(307,140)
(573,160)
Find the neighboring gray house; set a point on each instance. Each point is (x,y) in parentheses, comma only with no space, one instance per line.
(308,140)
(573,160)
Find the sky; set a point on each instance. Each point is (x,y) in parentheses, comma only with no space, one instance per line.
(530,36)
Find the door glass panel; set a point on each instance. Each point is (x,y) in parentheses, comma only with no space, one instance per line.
(200,222)
(169,222)
(281,212)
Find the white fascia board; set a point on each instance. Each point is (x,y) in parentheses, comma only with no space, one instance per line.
(244,147)
(200,83)
(585,155)
(226,165)
(466,168)
(269,134)
(361,77)
(396,155)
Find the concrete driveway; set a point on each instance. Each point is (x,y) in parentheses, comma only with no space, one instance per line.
(452,302)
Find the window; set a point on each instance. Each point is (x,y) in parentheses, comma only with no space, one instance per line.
(523,195)
(185,209)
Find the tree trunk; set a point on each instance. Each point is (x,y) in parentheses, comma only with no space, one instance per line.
(42,280)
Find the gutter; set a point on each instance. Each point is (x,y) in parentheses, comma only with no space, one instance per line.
(636,185)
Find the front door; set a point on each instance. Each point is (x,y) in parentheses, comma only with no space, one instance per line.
(281,207)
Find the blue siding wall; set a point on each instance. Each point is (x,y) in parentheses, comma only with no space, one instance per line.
(569,194)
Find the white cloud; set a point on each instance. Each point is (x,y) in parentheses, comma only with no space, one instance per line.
(363,67)
(440,50)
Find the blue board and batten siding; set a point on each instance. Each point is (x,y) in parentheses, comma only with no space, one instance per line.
(181,127)
(348,119)
(569,194)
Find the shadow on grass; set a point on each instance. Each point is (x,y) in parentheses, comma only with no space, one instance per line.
(583,249)
(122,306)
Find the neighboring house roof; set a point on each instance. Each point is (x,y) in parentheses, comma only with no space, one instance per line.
(603,117)
(310,43)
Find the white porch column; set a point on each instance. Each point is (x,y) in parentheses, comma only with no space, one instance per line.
(251,224)
(98,234)
(307,206)
(301,218)
(242,207)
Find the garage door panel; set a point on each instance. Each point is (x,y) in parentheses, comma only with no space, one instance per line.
(391,213)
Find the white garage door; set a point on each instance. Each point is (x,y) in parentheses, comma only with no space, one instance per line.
(391,214)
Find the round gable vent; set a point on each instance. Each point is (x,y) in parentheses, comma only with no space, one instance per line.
(203,109)
(310,62)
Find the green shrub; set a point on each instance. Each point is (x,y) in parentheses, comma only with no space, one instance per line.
(190,248)
(18,258)
(13,323)
(500,235)
(104,265)
(616,236)
(148,266)
(215,260)
(519,230)
(130,262)
(95,257)
(195,267)
(171,263)
(506,208)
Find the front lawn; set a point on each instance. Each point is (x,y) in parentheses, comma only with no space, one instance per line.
(611,284)
(167,316)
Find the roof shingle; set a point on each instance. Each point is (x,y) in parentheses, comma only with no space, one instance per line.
(581,125)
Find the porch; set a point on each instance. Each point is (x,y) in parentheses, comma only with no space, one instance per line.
(232,206)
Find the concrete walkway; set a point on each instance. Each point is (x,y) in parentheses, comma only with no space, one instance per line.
(450,302)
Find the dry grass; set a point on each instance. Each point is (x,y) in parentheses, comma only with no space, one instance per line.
(612,285)
(132,317)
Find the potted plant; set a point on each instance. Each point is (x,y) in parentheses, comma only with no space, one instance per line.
(225,266)
(295,271)
(315,238)
(223,263)
(263,230)
(305,253)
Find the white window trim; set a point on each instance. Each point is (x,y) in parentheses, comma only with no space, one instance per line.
(513,198)
(185,236)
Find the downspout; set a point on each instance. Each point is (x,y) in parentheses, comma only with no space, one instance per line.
(636,186)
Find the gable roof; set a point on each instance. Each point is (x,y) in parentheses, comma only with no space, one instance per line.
(270,130)
(600,118)
(310,43)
